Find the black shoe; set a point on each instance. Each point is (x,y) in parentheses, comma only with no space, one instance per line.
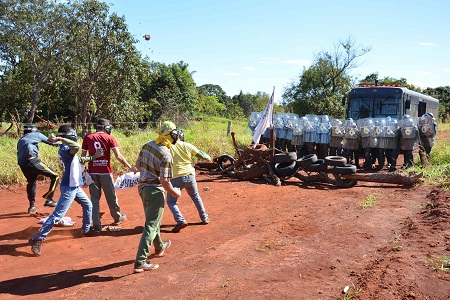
(96,229)
(35,246)
(205,221)
(122,218)
(178,227)
(31,210)
(50,203)
(378,168)
(90,233)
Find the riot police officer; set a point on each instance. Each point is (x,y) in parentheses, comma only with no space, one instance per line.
(298,137)
(351,142)
(427,131)
(323,129)
(310,133)
(389,143)
(408,137)
(376,150)
(336,137)
(366,130)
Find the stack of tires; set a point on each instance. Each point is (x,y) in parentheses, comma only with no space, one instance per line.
(284,164)
(310,163)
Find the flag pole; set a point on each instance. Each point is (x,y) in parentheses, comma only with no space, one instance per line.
(266,121)
(272,132)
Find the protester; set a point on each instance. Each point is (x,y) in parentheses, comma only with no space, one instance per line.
(184,178)
(31,166)
(155,166)
(70,187)
(101,172)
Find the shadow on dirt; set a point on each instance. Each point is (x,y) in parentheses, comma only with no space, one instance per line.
(45,283)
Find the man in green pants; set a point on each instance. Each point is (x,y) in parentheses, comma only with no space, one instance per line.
(155,166)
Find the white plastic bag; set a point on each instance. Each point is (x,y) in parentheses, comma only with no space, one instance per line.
(87,179)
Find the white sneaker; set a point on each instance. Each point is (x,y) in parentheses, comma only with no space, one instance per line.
(145,266)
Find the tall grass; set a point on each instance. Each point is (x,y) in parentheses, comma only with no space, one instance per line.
(439,171)
(209,135)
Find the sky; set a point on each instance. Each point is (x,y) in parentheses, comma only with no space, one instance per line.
(261,45)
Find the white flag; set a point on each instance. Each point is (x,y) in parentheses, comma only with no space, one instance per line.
(266,120)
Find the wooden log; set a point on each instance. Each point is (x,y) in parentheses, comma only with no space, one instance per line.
(271,173)
(394,178)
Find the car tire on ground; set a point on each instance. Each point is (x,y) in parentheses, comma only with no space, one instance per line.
(347,169)
(285,169)
(285,157)
(306,160)
(317,166)
(224,161)
(335,161)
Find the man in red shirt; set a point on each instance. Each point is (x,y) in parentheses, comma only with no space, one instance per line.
(101,172)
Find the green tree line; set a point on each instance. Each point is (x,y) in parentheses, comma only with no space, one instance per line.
(74,61)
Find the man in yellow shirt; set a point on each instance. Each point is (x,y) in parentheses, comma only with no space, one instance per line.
(184,178)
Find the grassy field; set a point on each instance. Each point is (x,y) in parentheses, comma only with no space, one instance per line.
(209,135)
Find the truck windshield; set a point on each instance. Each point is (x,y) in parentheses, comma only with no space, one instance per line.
(374,103)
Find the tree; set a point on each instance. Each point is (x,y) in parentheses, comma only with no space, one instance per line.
(321,87)
(247,102)
(103,70)
(33,37)
(373,79)
(443,94)
(168,90)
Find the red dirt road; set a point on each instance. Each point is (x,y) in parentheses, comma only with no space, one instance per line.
(296,241)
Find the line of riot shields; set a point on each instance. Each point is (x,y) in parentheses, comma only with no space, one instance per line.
(376,141)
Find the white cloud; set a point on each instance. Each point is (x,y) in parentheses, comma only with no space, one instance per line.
(446,70)
(426,72)
(300,62)
(248,68)
(428,44)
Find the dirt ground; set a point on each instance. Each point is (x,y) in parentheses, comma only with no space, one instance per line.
(295,241)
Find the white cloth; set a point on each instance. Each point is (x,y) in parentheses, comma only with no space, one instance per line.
(64,222)
(127,180)
(265,121)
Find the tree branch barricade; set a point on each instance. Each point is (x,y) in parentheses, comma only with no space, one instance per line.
(259,162)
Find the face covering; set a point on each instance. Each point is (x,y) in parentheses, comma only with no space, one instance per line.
(164,134)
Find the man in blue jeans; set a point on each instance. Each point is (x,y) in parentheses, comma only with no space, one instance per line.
(184,178)
(69,187)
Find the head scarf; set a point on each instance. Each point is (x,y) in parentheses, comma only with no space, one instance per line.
(164,134)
